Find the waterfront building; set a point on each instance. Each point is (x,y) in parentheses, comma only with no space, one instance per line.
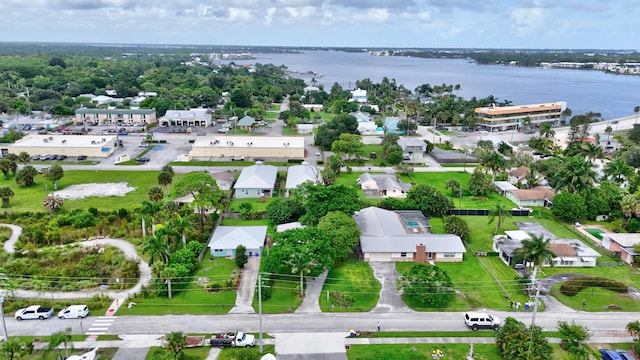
(502,118)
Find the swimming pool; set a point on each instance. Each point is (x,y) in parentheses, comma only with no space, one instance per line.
(595,232)
(412,223)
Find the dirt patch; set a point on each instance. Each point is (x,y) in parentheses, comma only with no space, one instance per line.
(82,191)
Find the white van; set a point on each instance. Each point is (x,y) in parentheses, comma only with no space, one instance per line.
(477,320)
(74,312)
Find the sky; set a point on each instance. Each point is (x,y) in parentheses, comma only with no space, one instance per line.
(536,24)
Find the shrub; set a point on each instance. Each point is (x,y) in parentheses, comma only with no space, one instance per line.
(574,286)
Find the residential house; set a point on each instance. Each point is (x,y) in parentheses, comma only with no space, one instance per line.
(198,117)
(359,96)
(538,196)
(567,252)
(224,179)
(299,174)
(391,125)
(120,117)
(305,129)
(503,187)
(452,157)
(225,240)
(413,150)
(256,181)
(621,244)
(289,226)
(404,236)
(518,175)
(383,185)
(313,107)
(246,123)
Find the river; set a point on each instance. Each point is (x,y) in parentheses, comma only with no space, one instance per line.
(612,95)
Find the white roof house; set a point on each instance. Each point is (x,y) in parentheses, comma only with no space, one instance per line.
(404,236)
(359,95)
(383,185)
(299,174)
(225,240)
(289,226)
(621,244)
(256,181)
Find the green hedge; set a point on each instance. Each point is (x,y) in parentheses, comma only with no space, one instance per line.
(574,286)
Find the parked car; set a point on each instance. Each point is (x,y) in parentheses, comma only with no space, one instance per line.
(61,157)
(74,312)
(625,355)
(477,320)
(231,339)
(237,158)
(609,354)
(44,157)
(34,312)
(82,157)
(35,157)
(143,159)
(26,127)
(223,130)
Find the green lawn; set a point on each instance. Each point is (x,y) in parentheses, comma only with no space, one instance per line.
(258,206)
(232,354)
(275,106)
(194,299)
(354,278)
(30,198)
(597,299)
(272,114)
(285,296)
(421,351)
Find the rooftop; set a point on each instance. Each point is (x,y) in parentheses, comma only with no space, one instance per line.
(515,109)
(60,141)
(245,141)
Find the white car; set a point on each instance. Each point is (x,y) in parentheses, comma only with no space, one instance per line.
(477,320)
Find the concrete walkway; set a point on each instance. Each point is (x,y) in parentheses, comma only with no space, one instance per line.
(311,302)
(390,299)
(247,288)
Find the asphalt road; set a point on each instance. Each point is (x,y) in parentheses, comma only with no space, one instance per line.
(314,323)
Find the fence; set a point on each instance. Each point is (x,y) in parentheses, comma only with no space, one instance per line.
(485,212)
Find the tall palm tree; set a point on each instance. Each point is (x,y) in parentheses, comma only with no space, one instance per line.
(636,109)
(499,213)
(5,194)
(165,179)
(608,131)
(301,263)
(156,194)
(630,206)
(157,248)
(150,210)
(60,338)
(181,224)
(536,251)
(53,203)
(617,169)
(495,162)
(574,175)
(546,131)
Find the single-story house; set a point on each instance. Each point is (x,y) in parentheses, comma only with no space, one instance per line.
(299,174)
(391,125)
(224,179)
(404,236)
(567,252)
(369,128)
(412,149)
(289,226)
(256,181)
(383,185)
(452,157)
(246,123)
(359,95)
(518,174)
(503,187)
(313,107)
(538,196)
(304,129)
(225,240)
(621,244)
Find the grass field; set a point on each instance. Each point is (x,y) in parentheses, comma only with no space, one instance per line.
(285,296)
(194,299)
(421,351)
(30,198)
(354,278)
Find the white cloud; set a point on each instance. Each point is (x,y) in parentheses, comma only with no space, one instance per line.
(525,21)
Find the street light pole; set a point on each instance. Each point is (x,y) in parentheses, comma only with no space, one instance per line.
(4,325)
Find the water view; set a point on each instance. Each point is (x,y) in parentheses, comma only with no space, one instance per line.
(611,95)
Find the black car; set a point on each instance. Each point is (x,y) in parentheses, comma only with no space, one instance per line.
(82,157)
(143,159)
(61,157)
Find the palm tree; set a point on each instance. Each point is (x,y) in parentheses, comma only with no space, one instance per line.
(157,248)
(156,194)
(536,251)
(5,194)
(53,203)
(608,131)
(176,341)
(546,131)
(500,212)
(630,206)
(574,175)
(14,348)
(150,209)
(167,274)
(591,151)
(165,179)
(182,224)
(301,263)
(617,169)
(495,162)
(26,176)
(58,338)
(24,157)
(636,109)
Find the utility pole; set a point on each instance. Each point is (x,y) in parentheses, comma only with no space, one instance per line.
(260,306)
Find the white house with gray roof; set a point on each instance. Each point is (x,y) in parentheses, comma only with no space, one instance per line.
(300,174)
(383,185)
(256,181)
(404,236)
(225,240)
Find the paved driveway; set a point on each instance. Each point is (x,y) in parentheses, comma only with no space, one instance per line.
(390,300)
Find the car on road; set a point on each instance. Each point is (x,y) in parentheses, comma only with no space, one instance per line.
(479,320)
(223,130)
(33,312)
(625,355)
(237,158)
(609,354)
(61,157)
(142,159)
(442,128)
(82,157)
